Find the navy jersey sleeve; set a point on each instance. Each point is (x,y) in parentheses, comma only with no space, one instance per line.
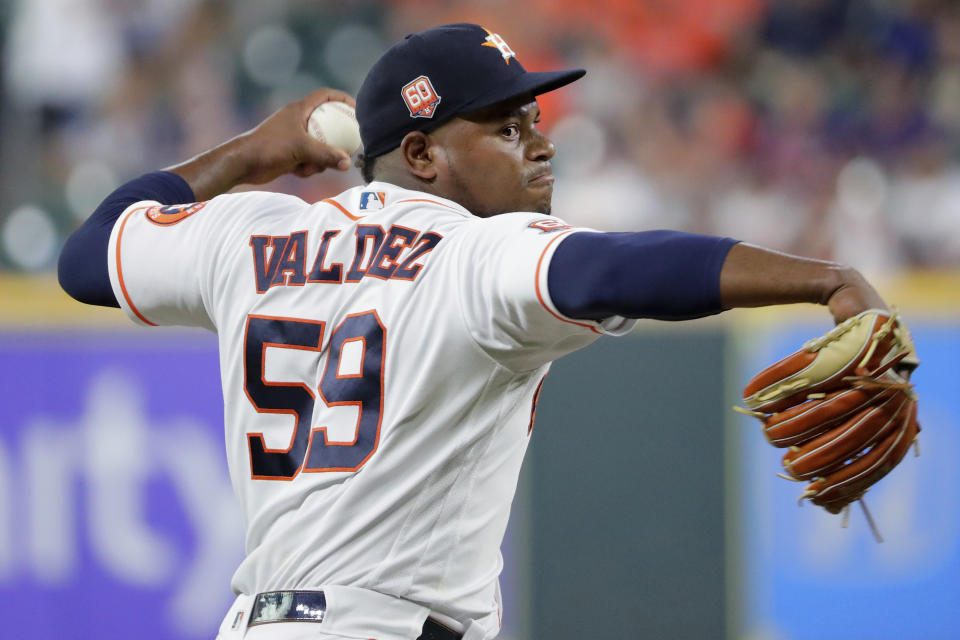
(665,275)
(82,269)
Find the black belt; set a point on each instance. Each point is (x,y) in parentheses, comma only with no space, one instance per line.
(310,606)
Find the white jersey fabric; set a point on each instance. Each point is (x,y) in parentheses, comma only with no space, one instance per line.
(380,352)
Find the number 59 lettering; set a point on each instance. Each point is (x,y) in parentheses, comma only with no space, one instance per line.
(309,450)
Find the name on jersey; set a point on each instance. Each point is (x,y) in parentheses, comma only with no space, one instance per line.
(394,254)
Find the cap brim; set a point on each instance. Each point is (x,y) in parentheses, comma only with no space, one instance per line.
(531,82)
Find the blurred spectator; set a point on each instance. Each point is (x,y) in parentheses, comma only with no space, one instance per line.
(761,211)
(799,124)
(924,209)
(63,57)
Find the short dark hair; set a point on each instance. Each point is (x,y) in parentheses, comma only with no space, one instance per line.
(366,166)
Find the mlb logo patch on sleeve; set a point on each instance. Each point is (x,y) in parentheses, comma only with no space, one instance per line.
(172,213)
(420,97)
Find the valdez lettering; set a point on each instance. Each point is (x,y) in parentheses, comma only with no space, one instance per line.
(396,254)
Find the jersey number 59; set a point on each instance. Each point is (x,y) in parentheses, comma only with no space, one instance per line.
(309,450)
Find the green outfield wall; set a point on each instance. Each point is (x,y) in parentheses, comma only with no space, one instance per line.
(626,473)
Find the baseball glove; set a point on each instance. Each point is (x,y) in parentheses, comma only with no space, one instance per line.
(843,405)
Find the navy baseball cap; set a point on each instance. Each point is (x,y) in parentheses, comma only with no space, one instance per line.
(429,77)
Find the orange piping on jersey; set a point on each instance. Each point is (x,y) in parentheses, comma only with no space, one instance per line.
(540,297)
(430,201)
(533,407)
(339,206)
(123,287)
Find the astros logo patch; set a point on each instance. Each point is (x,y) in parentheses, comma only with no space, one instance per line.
(547,226)
(172,213)
(420,97)
(372,200)
(494,40)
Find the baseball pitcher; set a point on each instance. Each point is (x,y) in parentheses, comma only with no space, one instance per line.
(382,350)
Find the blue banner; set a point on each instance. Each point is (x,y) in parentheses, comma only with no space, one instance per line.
(117,519)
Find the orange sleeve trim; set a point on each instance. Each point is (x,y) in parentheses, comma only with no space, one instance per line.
(540,296)
(339,206)
(123,286)
(442,204)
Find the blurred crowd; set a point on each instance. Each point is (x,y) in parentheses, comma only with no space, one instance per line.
(829,128)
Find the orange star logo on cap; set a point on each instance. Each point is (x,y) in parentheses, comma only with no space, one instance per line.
(496,41)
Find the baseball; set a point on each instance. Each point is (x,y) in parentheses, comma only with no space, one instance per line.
(335,124)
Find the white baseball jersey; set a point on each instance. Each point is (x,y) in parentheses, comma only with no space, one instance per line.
(381,354)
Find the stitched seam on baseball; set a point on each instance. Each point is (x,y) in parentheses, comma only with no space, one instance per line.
(344,108)
(327,114)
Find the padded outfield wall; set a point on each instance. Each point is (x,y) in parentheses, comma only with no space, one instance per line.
(647,509)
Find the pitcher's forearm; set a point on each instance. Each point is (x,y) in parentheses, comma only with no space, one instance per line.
(217,170)
(757,277)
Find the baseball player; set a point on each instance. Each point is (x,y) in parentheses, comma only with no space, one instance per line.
(382,350)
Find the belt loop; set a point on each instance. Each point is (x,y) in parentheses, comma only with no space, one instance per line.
(475,631)
(235,621)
